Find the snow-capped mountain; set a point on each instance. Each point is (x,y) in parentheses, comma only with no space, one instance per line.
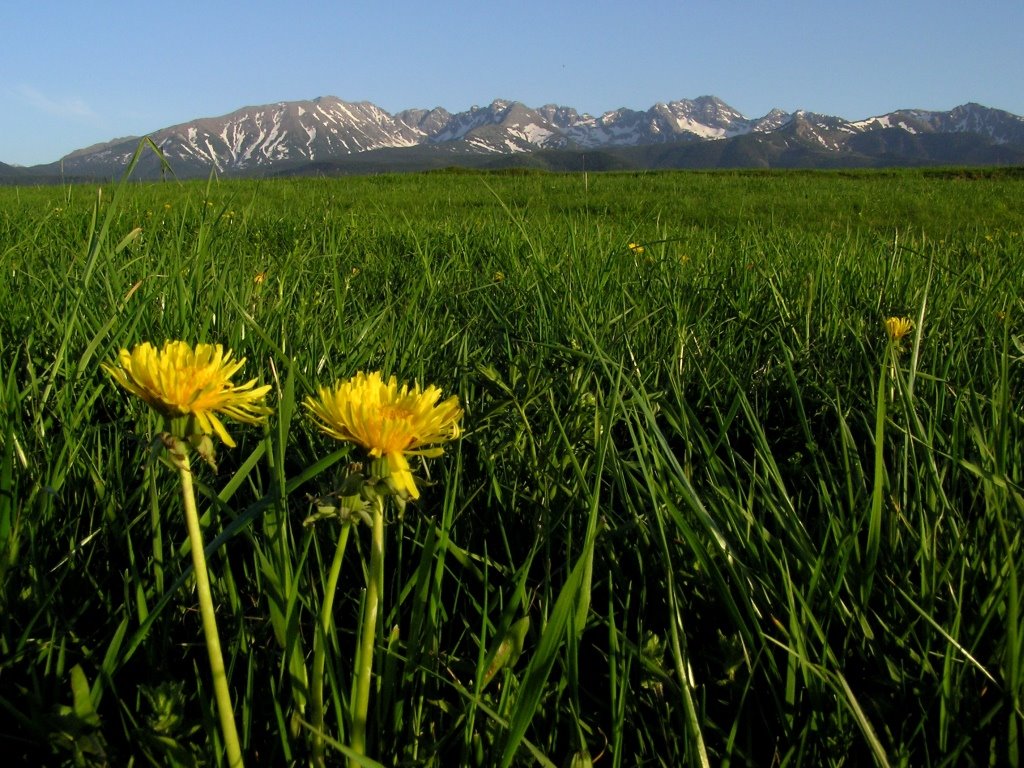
(1001,127)
(264,136)
(290,136)
(704,118)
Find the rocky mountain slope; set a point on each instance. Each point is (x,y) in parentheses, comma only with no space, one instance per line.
(328,135)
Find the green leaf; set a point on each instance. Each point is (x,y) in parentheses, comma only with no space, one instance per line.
(83,706)
(543,660)
(506,651)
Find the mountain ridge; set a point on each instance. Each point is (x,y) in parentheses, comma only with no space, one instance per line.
(338,136)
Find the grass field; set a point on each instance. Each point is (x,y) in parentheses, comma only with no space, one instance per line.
(704,511)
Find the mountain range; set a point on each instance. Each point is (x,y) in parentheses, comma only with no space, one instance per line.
(327,136)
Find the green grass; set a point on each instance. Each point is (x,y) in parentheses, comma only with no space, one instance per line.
(703,513)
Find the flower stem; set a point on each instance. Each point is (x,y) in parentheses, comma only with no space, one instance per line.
(374,579)
(316,698)
(179,457)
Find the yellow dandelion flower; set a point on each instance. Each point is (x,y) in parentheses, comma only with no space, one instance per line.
(389,421)
(898,327)
(178,381)
(636,248)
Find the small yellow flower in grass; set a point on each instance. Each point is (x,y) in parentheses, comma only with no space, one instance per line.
(189,388)
(636,248)
(898,327)
(178,381)
(389,421)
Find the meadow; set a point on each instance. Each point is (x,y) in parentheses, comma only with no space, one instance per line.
(705,509)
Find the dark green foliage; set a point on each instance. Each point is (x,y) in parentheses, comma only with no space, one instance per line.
(702,509)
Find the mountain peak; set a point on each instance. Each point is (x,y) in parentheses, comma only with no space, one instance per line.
(289,135)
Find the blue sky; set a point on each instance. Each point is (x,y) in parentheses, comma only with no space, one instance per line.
(77,73)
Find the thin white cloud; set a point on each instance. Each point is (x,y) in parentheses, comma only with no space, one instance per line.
(68,108)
